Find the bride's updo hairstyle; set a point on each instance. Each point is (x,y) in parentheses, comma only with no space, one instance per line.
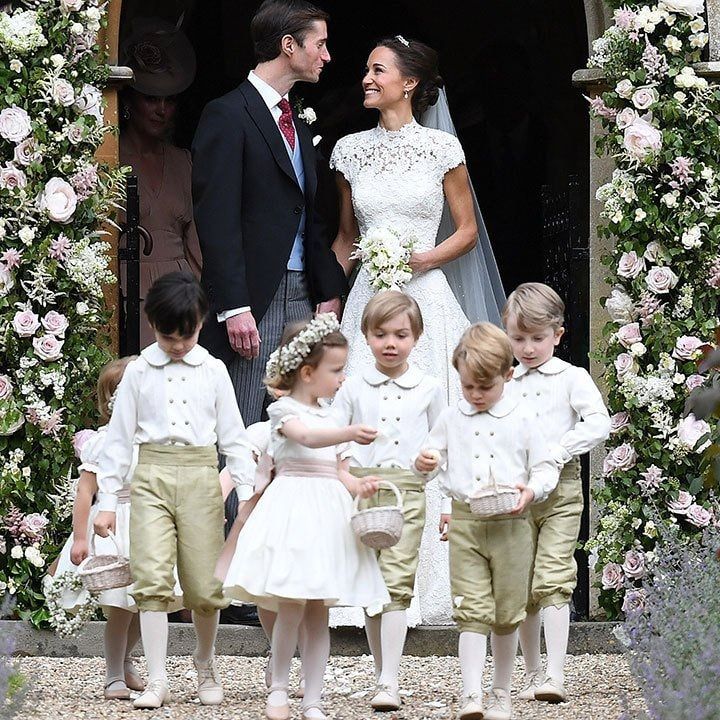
(417,60)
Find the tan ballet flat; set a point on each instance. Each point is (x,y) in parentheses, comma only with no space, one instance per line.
(121,693)
(277,712)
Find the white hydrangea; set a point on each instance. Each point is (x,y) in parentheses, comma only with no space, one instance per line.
(88,266)
(20,33)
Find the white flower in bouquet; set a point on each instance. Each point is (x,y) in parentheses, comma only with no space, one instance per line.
(699,40)
(58,200)
(308,115)
(687,78)
(385,255)
(625,366)
(89,102)
(17,552)
(692,237)
(20,33)
(26,152)
(690,8)
(14,124)
(62,92)
(630,265)
(641,139)
(644,97)
(624,89)
(697,24)
(55,323)
(71,5)
(661,280)
(690,430)
(629,334)
(612,576)
(625,118)
(673,44)
(620,307)
(7,280)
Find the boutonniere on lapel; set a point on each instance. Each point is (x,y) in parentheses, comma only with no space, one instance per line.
(309,116)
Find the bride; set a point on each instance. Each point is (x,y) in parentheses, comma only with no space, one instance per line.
(411,179)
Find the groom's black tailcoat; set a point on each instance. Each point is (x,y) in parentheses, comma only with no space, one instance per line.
(247,205)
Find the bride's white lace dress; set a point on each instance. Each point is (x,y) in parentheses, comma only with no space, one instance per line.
(397,183)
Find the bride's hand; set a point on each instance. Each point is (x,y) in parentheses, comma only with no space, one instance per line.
(419,263)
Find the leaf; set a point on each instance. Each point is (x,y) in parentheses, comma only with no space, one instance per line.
(702,402)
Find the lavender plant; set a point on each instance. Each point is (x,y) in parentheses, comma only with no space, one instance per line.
(11,682)
(673,630)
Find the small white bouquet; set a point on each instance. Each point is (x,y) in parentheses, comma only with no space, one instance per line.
(386,256)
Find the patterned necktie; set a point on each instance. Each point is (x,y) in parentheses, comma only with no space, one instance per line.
(286,123)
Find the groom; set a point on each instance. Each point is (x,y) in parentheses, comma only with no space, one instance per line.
(266,259)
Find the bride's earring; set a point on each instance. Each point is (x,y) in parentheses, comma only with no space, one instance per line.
(406,94)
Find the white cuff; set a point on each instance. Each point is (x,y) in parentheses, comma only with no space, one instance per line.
(227,314)
(244,492)
(560,455)
(446,505)
(537,489)
(107,502)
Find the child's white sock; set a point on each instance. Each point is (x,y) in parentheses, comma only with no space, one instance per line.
(529,634)
(154,630)
(472,649)
(116,642)
(284,642)
(205,631)
(504,649)
(316,650)
(373,627)
(392,636)
(133,635)
(557,630)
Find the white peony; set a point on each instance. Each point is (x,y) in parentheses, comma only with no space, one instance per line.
(690,8)
(58,200)
(641,139)
(644,97)
(14,124)
(62,92)
(661,280)
(690,430)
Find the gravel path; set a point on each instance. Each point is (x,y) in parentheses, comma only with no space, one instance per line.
(71,688)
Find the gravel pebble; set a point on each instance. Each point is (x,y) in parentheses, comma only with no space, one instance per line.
(72,688)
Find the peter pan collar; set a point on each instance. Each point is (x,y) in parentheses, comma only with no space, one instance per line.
(158,358)
(504,406)
(409,379)
(554,366)
(313,410)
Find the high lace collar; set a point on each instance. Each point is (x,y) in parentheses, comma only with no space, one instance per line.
(406,129)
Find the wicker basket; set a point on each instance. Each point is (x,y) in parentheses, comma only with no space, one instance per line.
(494,499)
(104,572)
(379,527)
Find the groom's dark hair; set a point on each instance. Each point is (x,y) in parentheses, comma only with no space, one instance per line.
(277,18)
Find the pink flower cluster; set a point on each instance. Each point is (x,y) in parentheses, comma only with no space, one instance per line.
(85,181)
(30,528)
(682,172)
(713,276)
(60,248)
(598,106)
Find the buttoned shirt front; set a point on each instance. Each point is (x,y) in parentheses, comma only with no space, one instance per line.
(564,400)
(499,444)
(167,402)
(403,410)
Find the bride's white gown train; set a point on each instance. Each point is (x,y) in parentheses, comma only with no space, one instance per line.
(397,183)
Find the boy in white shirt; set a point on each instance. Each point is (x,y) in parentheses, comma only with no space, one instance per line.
(176,402)
(484,439)
(403,403)
(566,401)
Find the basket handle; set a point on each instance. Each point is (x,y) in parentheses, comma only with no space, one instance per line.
(111,535)
(390,486)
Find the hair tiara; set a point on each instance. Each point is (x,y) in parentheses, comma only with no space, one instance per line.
(289,357)
(401,39)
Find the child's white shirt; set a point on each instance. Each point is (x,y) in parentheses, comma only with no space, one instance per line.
(500,443)
(403,410)
(166,402)
(564,400)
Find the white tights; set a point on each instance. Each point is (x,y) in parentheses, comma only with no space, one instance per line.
(122,631)
(504,649)
(556,620)
(386,637)
(472,650)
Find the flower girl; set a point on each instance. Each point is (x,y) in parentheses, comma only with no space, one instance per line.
(297,553)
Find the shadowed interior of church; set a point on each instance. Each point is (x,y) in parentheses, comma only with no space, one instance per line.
(507,68)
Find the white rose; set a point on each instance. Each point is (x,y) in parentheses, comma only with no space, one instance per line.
(48,347)
(57,60)
(14,124)
(680,96)
(638,349)
(686,347)
(625,118)
(16,553)
(629,334)
(12,178)
(71,5)
(670,199)
(641,139)
(94,15)
(690,430)
(673,44)
(692,237)
(16,65)
(26,234)
(62,92)
(653,251)
(707,173)
(82,308)
(624,89)
(89,102)
(630,265)
(7,280)
(697,25)
(58,200)
(691,8)
(620,307)
(661,280)
(77,28)
(625,366)
(644,97)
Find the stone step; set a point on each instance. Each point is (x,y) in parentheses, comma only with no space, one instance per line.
(423,641)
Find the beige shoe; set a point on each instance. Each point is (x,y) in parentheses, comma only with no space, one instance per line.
(552,691)
(313,712)
(300,692)
(277,712)
(210,690)
(532,682)
(472,707)
(386,698)
(116,690)
(499,706)
(156,695)
(132,677)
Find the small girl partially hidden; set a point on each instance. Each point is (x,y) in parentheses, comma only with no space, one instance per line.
(297,554)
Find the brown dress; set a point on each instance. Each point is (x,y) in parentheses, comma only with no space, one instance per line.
(167,214)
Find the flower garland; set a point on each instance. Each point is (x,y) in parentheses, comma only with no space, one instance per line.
(65,623)
(54,198)
(386,256)
(661,208)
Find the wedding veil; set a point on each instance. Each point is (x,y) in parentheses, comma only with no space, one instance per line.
(473,277)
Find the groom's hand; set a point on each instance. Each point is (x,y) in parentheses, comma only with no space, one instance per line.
(333,306)
(243,335)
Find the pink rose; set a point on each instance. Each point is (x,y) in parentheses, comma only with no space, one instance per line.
(634,601)
(11,178)
(25,323)
(5,387)
(694,381)
(681,505)
(33,526)
(612,577)
(690,430)
(641,139)
(58,200)
(620,458)
(26,152)
(645,97)
(75,133)
(661,280)
(619,421)
(55,323)
(14,124)
(651,479)
(62,92)
(686,347)
(625,366)
(48,347)
(699,516)
(625,118)
(629,334)
(80,438)
(634,565)
(630,265)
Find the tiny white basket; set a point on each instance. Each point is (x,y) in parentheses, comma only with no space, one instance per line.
(494,499)
(379,527)
(104,572)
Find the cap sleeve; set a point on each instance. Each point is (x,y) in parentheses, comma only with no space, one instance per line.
(340,159)
(281,411)
(91,451)
(450,153)
(259,434)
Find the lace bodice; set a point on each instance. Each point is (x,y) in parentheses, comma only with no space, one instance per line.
(397,177)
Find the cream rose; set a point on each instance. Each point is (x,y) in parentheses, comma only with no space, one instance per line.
(12,178)
(625,366)
(62,92)
(89,102)
(644,97)
(690,8)
(686,347)
(58,200)
(690,430)
(14,124)
(25,323)
(692,237)
(673,44)
(641,139)
(629,334)
(55,323)
(630,265)
(699,516)
(625,118)
(6,387)
(612,577)
(48,347)
(661,280)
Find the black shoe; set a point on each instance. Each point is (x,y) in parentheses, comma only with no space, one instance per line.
(240,615)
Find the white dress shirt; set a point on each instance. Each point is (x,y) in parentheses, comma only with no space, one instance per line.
(564,399)
(166,402)
(271,97)
(500,443)
(403,409)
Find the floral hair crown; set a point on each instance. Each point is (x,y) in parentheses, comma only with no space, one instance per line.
(289,357)
(401,39)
